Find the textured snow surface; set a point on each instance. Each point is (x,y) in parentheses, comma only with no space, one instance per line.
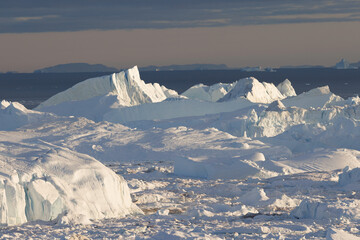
(261,163)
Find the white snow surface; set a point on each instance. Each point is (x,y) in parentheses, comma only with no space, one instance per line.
(286,167)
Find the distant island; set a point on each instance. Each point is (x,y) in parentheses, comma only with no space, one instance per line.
(185,67)
(77,67)
(85,67)
(342,64)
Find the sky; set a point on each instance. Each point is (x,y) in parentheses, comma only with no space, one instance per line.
(36,34)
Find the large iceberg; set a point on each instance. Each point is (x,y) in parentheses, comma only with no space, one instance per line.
(42,181)
(126,85)
(124,97)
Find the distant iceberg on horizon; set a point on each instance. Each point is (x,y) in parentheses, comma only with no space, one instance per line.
(343,64)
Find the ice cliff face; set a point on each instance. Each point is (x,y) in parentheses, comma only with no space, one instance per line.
(126,85)
(54,183)
(254,91)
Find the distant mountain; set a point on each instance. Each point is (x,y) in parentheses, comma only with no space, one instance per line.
(185,67)
(76,67)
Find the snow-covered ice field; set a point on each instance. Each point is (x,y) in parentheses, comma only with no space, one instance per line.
(113,157)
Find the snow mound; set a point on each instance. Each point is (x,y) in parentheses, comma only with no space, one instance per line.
(320,97)
(286,88)
(282,203)
(325,160)
(316,209)
(255,197)
(251,89)
(208,93)
(14,115)
(257,157)
(127,85)
(214,169)
(46,182)
(232,167)
(349,176)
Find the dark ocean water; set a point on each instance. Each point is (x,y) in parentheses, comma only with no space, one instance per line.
(31,89)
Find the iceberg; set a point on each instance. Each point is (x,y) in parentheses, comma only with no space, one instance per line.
(208,93)
(254,91)
(199,100)
(126,85)
(343,64)
(14,115)
(320,97)
(252,69)
(286,88)
(250,88)
(41,181)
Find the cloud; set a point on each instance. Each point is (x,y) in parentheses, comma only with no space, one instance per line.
(17,16)
(25,19)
